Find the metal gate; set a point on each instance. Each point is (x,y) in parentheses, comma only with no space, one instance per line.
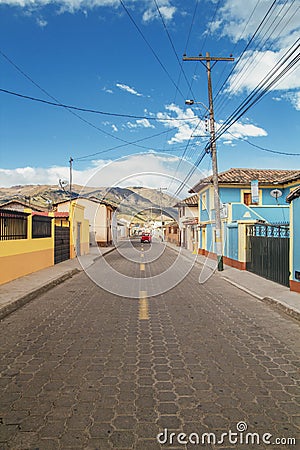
(268,252)
(61,244)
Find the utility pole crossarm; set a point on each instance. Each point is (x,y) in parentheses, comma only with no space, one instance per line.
(205,58)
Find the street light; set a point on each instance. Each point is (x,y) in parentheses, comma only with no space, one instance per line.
(191,102)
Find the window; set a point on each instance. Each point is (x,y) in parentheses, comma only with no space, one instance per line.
(13,225)
(203,201)
(41,227)
(247,199)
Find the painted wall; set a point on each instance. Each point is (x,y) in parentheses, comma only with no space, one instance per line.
(267,199)
(24,256)
(80,238)
(79,227)
(100,218)
(295,244)
(172,234)
(239,214)
(231,244)
(205,205)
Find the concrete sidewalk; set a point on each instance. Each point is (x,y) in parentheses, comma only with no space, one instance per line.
(260,288)
(18,292)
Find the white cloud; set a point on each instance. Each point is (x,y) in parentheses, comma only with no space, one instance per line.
(145,123)
(255,66)
(294,98)
(129,89)
(166,9)
(190,125)
(109,91)
(243,130)
(148,170)
(185,125)
(239,21)
(72,6)
(140,123)
(65,5)
(41,22)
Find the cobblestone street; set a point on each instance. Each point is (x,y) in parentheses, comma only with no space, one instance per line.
(82,368)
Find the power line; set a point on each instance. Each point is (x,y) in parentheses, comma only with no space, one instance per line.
(191,172)
(213,18)
(89,110)
(58,103)
(249,63)
(256,95)
(262,88)
(173,47)
(246,47)
(125,145)
(70,110)
(191,26)
(263,148)
(238,40)
(150,47)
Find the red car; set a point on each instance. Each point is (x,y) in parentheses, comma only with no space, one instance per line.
(146,237)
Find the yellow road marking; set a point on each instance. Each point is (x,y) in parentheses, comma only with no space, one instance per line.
(143,306)
(142,266)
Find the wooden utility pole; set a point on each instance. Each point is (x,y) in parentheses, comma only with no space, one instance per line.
(71,175)
(213,149)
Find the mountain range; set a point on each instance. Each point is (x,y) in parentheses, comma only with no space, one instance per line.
(142,202)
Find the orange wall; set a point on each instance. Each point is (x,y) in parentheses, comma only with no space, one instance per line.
(15,266)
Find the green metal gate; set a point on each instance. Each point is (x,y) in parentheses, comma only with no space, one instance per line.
(268,252)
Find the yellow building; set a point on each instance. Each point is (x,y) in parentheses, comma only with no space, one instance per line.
(31,240)
(79,226)
(26,243)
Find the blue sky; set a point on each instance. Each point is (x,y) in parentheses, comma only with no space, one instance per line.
(90,54)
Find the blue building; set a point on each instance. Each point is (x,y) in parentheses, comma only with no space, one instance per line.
(294,200)
(248,197)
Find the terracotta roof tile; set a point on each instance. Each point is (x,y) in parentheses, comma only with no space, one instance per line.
(189,201)
(60,214)
(293,194)
(245,176)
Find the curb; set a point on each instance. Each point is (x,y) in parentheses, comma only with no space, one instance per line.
(283,307)
(104,254)
(11,307)
(269,300)
(242,288)
(18,303)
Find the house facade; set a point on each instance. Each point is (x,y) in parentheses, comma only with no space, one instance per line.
(188,212)
(294,201)
(247,197)
(74,213)
(99,215)
(26,243)
(17,205)
(172,232)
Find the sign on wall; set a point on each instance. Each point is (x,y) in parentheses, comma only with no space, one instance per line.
(254,191)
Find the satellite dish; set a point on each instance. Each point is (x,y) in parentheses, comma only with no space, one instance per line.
(276,193)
